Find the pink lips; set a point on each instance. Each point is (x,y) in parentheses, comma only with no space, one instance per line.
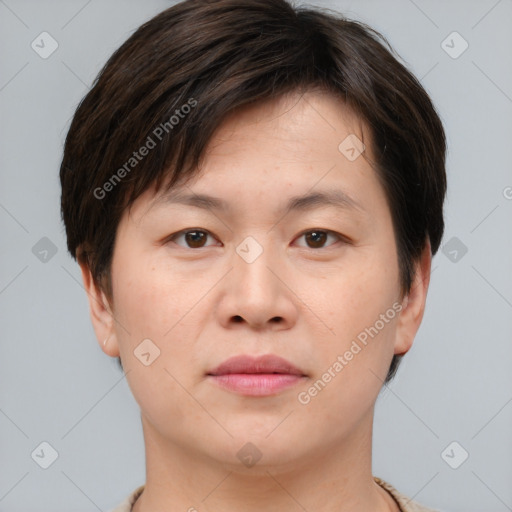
(260,376)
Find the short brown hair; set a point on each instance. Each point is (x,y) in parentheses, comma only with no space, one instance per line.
(223,55)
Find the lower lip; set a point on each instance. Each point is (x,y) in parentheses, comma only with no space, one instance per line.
(256,384)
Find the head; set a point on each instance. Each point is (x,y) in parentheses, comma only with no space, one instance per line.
(254,103)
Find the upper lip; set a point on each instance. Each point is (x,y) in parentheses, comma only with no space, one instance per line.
(263,364)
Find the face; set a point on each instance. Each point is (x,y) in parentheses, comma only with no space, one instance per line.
(263,270)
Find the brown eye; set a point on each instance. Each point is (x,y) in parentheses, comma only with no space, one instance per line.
(194,238)
(316,238)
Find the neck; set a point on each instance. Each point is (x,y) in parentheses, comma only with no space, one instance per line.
(338,479)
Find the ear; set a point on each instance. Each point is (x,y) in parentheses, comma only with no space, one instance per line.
(101,315)
(413,305)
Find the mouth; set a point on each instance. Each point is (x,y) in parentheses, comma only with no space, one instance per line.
(261,376)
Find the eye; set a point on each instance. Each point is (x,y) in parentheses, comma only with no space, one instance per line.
(194,238)
(316,238)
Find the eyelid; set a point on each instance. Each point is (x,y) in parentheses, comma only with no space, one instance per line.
(337,235)
(172,237)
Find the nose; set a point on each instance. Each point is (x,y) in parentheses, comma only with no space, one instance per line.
(258,292)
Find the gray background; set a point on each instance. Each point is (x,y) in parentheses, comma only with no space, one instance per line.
(454,385)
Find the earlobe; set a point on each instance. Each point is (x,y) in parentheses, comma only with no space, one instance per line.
(101,316)
(413,305)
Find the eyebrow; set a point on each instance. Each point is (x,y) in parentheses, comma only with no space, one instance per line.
(309,201)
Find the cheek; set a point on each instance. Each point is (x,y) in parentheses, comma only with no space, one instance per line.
(155,301)
(359,304)
(144,310)
(150,307)
(144,306)
(146,296)
(355,359)
(359,292)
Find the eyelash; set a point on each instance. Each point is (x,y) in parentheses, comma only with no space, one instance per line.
(328,232)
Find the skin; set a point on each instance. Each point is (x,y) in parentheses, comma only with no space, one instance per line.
(302,299)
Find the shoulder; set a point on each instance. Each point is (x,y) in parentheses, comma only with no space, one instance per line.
(405,503)
(126,505)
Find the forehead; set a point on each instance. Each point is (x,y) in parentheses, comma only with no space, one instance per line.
(306,118)
(293,143)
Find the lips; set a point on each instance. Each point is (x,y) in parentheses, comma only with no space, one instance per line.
(267,364)
(262,376)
